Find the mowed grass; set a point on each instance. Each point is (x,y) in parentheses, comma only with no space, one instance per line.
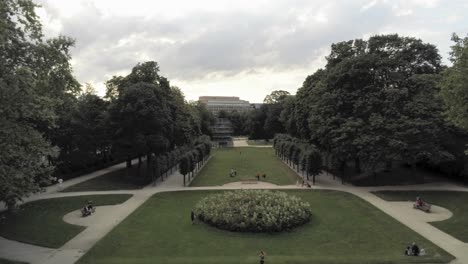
(248,162)
(114,180)
(7,261)
(456,202)
(40,222)
(343,229)
(260,142)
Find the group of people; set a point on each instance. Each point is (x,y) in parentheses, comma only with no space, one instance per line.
(88,209)
(233,173)
(419,201)
(414,250)
(260,175)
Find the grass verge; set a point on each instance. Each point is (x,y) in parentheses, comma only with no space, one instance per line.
(40,222)
(248,162)
(456,202)
(343,229)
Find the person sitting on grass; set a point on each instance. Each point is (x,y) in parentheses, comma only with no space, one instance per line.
(414,249)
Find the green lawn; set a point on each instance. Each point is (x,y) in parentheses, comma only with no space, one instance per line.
(344,229)
(40,222)
(7,261)
(115,180)
(260,142)
(456,202)
(248,162)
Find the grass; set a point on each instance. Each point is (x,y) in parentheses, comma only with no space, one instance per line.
(399,175)
(260,142)
(456,202)
(7,261)
(343,229)
(40,222)
(114,180)
(248,162)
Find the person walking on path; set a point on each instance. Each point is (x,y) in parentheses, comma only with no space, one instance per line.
(192,216)
(262,257)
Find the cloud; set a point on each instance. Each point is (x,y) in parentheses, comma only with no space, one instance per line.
(215,42)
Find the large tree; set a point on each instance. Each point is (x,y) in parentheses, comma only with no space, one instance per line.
(276,97)
(35,79)
(454,84)
(374,101)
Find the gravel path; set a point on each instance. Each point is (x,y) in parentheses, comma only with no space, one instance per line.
(107,217)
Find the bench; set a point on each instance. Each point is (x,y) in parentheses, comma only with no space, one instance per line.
(85,213)
(424,207)
(249,181)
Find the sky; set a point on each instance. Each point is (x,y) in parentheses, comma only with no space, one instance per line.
(245,48)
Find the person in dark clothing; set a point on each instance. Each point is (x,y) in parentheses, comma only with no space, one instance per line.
(192,216)
(264,175)
(414,249)
(262,257)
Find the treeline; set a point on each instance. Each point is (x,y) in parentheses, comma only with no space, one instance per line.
(193,160)
(50,127)
(379,102)
(262,122)
(301,155)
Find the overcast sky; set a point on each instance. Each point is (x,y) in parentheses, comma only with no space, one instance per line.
(238,48)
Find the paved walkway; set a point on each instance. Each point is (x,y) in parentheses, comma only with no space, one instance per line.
(242,142)
(110,216)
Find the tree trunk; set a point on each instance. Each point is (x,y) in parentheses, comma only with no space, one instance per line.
(388,166)
(129,166)
(307,175)
(357,165)
(139,166)
(313,179)
(184,180)
(342,168)
(148,164)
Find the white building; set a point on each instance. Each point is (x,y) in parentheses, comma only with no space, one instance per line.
(224,103)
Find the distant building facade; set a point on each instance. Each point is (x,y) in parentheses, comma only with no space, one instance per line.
(216,104)
(222,129)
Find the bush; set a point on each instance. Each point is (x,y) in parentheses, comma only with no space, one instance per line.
(253,211)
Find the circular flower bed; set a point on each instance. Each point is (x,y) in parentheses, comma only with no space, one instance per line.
(253,211)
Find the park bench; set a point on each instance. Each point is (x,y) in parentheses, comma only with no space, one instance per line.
(424,207)
(85,214)
(249,181)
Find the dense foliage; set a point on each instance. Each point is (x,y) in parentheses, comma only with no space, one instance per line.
(51,127)
(302,156)
(194,158)
(253,211)
(454,84)
(374,104)
(35,82)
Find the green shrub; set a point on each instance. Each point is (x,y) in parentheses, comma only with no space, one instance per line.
(253,211)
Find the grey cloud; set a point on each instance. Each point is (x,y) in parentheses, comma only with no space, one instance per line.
(193,46)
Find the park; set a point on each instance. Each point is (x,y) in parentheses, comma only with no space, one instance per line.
(304,146)
(347,225)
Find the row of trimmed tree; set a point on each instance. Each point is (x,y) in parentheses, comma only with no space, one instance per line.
(193,160)
(303,157)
